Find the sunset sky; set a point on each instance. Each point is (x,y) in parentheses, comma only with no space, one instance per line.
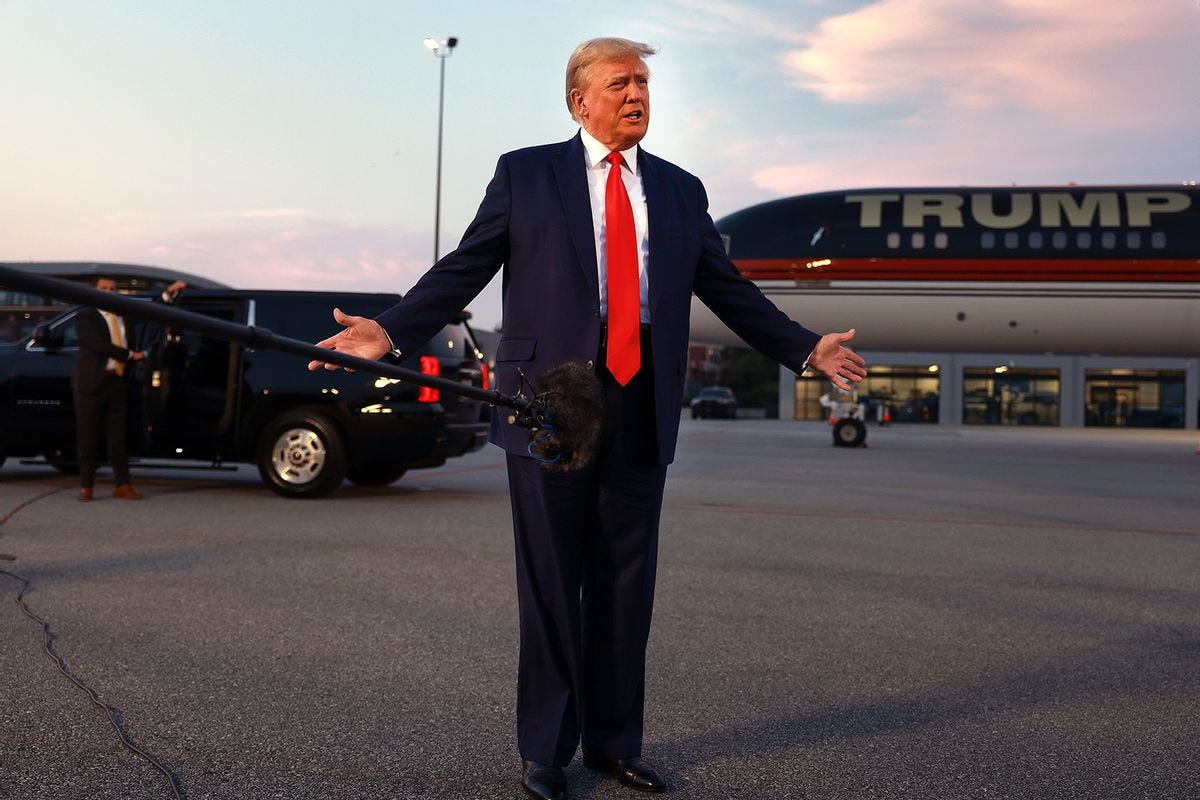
(279,144)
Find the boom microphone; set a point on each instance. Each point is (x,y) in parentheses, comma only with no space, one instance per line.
(562,414)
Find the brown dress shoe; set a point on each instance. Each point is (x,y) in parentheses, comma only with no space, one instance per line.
(125,492)
(85,494)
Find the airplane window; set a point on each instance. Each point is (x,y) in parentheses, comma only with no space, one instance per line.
(941,240)
(893,240)
(988,240)
(1059,240)
(1011,240)
(1035,240)
(1133,240)
(1158,240)
(918,240)
(1108,240)
(1083,239)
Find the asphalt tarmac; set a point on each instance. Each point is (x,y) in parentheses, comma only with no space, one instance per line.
(946,613)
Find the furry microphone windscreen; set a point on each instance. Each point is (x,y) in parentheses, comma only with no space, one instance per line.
(572,416)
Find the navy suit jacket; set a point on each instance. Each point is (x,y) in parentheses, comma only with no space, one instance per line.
(535,221)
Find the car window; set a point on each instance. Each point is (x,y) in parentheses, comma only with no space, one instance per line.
(66,329)
(62,333)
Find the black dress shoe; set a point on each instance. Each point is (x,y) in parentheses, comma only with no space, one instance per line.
(635,772)
(543,781)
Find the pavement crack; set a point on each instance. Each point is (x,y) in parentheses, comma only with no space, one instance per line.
(114,715)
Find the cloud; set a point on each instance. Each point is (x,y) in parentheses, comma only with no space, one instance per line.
(723,22)
(1101,60)
(952,92)
(278,213)
(271,248)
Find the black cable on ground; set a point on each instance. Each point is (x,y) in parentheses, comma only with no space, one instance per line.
(114,715)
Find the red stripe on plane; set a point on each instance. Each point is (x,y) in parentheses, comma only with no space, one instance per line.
(1088,270)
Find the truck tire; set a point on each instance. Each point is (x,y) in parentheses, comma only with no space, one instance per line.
(849,433)
(375,474)
(301,454)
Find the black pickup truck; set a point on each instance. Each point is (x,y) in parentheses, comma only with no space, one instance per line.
(198,398)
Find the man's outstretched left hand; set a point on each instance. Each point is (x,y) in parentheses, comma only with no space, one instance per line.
(837,362)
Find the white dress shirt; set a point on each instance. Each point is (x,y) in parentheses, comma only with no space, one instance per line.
(597,174)
(115,325)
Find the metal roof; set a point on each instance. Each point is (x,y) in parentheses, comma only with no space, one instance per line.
(80,270)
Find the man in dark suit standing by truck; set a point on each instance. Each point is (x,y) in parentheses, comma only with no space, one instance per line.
(100,392)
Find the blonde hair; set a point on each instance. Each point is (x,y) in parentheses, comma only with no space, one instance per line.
(592,52)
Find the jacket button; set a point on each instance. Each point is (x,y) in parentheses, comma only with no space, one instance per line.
(591,364)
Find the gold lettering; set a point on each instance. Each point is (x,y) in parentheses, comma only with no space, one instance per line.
(871,214)
(1081,213)
(946,207)
(983,209)
(1140,206)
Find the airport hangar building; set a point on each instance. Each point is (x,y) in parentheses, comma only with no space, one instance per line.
(1071,306)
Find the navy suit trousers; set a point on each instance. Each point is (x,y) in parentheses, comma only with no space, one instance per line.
(587,554)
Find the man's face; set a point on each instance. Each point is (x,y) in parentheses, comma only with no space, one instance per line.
(614,106)
(106,285)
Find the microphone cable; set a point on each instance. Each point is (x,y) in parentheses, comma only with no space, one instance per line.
(114,715)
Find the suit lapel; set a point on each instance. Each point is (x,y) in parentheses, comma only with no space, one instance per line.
(569,171)
(656,215)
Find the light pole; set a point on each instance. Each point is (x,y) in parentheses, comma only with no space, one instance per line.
(442,50)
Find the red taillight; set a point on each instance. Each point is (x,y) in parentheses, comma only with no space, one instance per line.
(430,366)
(483,369)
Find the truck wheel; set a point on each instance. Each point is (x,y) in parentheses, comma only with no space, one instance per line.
(375,474)
(849,433)
(301,454)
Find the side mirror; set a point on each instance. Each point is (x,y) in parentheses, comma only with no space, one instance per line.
(44,337)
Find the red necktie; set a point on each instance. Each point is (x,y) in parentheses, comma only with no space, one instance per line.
(624,296)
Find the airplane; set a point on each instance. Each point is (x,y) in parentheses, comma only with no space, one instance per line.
(1064,270)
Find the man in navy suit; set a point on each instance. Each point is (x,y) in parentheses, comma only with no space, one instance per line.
(562,225)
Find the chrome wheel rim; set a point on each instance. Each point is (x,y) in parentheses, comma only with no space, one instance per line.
(298,456)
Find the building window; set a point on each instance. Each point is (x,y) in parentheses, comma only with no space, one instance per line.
(891,394)
(1135,398)
(1010,396)
(808,397)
